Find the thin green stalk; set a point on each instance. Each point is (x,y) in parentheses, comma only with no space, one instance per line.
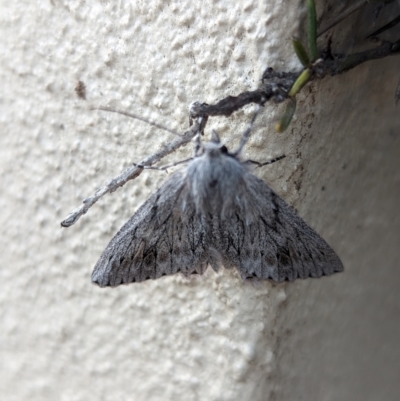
(312,29)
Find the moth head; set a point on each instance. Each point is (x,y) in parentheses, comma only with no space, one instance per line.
(215,137)
(214,148)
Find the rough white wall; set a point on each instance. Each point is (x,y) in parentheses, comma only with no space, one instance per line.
(211,338)
(340,340)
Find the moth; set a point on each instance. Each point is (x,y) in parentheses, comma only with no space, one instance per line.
(215,212)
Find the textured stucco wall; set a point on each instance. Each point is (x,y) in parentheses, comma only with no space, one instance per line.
(214,337)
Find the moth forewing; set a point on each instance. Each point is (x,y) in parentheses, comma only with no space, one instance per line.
(215,212)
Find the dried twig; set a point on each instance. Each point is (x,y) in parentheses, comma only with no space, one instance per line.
(132,172)
(341,64)
(275,86)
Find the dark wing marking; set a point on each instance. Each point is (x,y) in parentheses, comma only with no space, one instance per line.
(275,243)
(163,237)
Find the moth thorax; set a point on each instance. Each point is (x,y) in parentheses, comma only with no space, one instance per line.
(216,181)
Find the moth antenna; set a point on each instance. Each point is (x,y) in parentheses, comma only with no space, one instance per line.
(124,113)
(215,137)
(163,168)
(246,133)
(275,159)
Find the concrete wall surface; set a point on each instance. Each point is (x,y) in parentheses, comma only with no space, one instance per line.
(213,337)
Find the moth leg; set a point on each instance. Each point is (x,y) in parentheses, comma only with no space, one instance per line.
(197,138)
(246,133)
(202,121)
(197,144)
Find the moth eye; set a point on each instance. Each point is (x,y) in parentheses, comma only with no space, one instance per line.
(224,149)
